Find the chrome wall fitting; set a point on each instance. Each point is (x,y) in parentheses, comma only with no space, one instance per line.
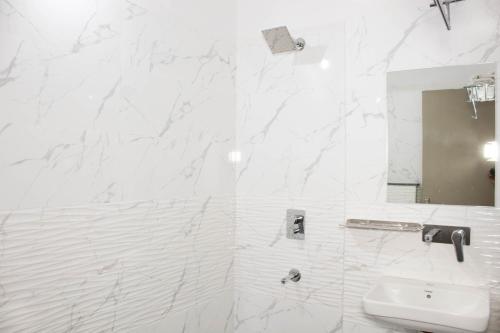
(279,40)
(295,224)
(294,276)
(300,43)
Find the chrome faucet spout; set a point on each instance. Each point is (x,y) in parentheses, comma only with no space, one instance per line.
(430,235)
(458,239)
(294,275)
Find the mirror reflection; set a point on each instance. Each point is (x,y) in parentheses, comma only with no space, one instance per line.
(442,147)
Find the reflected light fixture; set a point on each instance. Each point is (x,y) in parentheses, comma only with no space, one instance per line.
(490,151)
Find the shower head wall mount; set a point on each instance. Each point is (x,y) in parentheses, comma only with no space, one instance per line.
(279,40)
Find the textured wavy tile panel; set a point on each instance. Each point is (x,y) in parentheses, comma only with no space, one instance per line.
(214,316)
(100,268)
(256,312)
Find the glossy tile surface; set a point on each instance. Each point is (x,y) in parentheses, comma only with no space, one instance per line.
(119,207)
(116,198)
(129,101)
(314,137)
(114,267)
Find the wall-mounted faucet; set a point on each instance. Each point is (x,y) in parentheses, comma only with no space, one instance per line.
(458,236)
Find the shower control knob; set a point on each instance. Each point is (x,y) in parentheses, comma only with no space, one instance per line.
(298,225)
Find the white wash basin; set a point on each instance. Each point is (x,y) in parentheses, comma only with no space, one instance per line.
(428,306)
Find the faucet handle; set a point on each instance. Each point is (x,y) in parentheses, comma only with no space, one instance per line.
(458,236)
(458,240)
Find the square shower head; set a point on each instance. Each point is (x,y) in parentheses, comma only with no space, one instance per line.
(279,40)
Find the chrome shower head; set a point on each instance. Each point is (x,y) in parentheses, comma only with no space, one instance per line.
(279,40)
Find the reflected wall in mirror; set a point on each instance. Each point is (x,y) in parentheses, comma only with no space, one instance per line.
(442,146)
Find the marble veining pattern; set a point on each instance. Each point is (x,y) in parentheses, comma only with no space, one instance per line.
(406,44)
(146,120)
(113,267)
(372,43)
(117,198)
(129,102)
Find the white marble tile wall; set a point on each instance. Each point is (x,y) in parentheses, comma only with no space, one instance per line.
(124,110)
(264,255)
(291,134)
(290,127)
(115,101)
(147,118)
(378,37)
(213,316)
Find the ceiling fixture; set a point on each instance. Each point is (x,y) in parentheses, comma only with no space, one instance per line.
(444,8)
(482,89)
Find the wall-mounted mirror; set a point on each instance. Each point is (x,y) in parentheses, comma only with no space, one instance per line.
(442,146)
